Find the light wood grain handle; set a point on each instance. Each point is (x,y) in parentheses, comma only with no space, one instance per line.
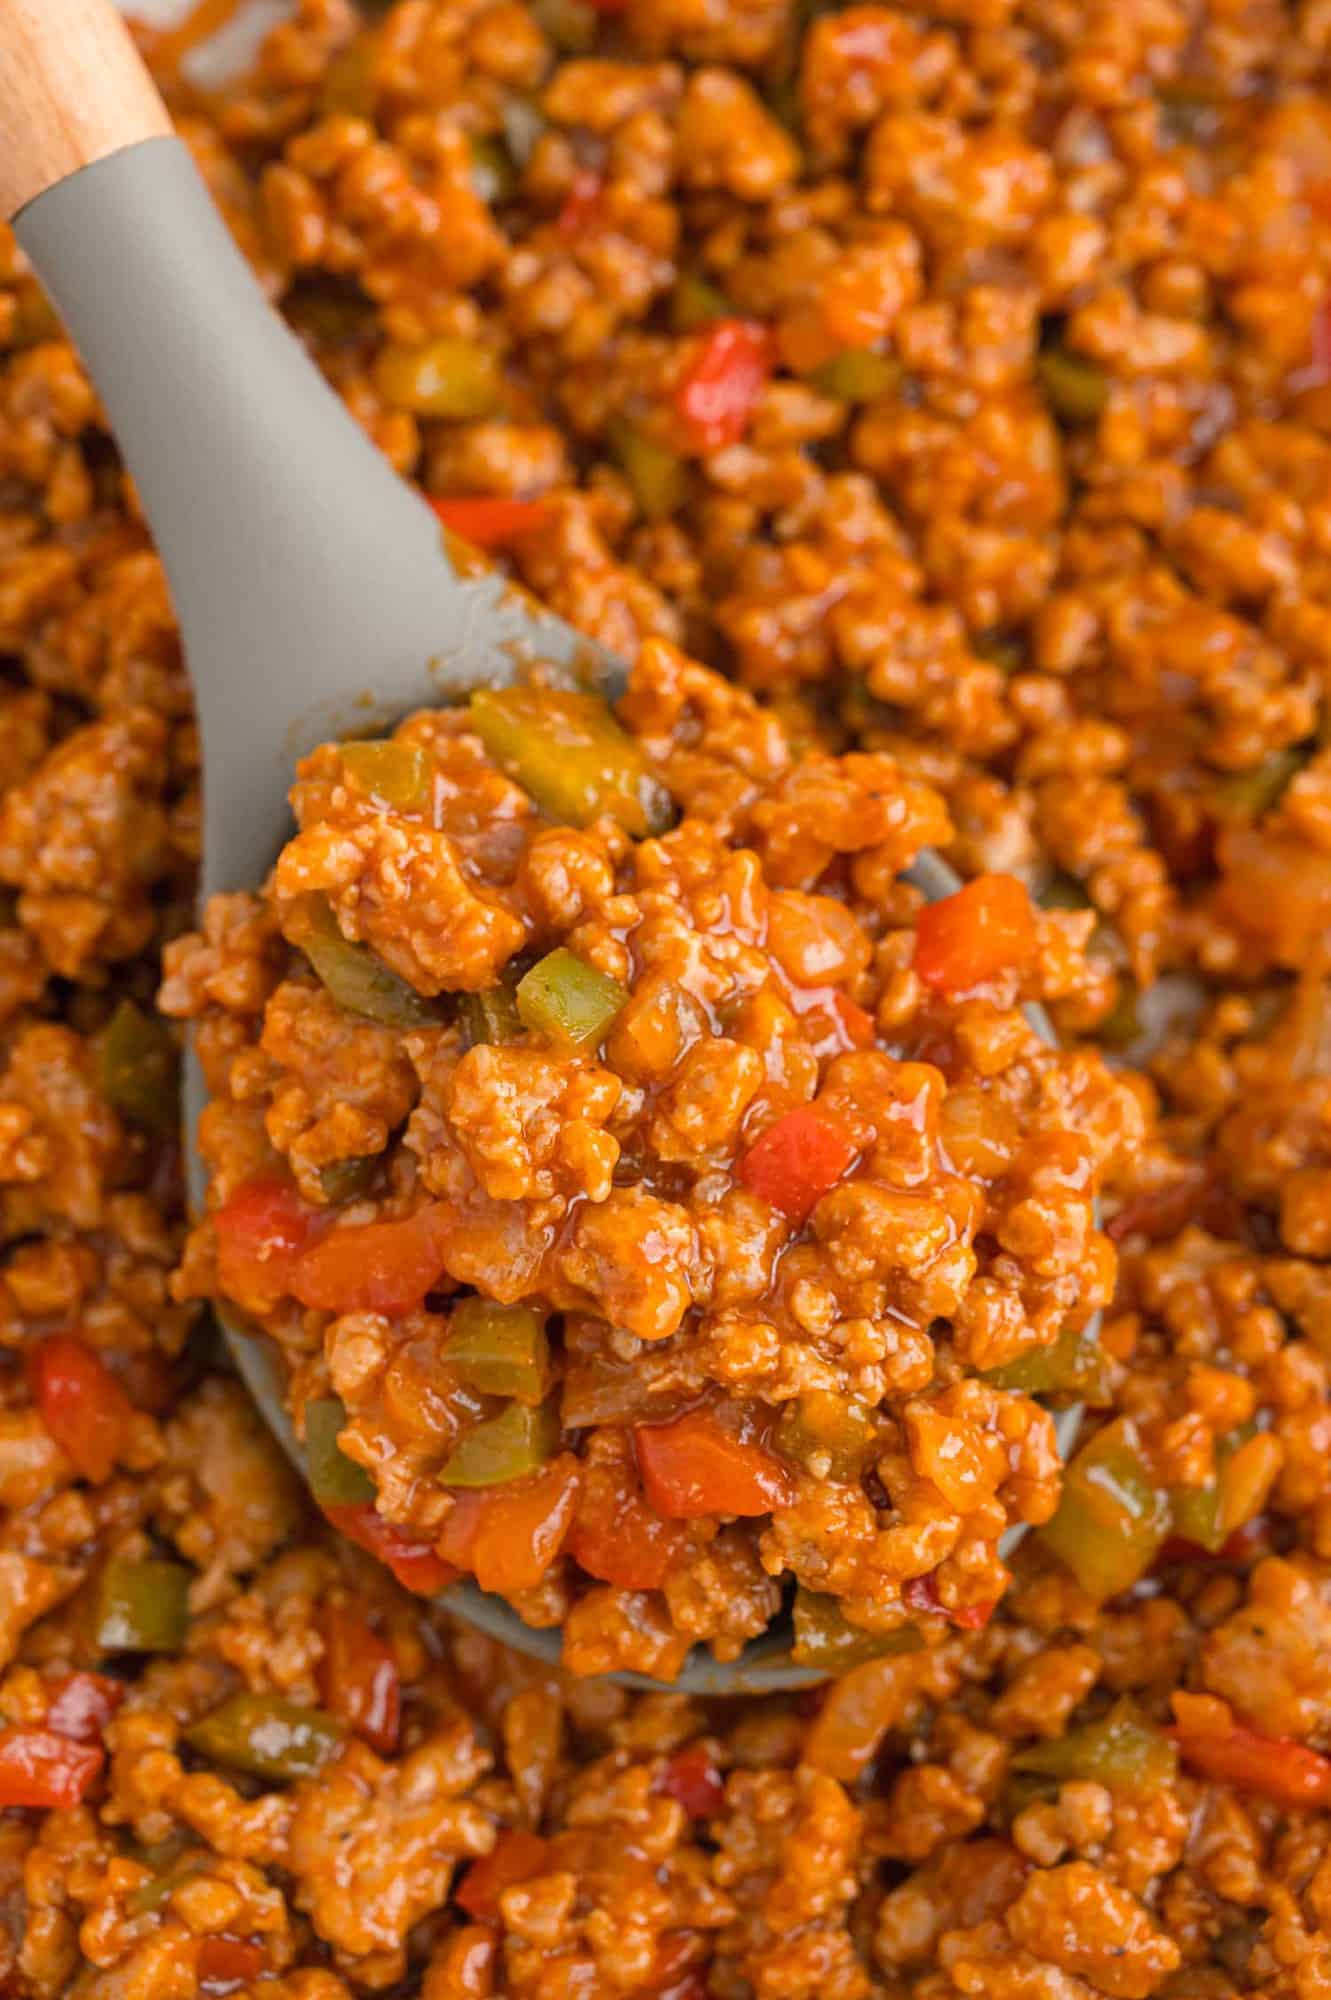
(72,90)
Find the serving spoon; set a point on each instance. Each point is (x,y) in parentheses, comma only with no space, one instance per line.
(313,592)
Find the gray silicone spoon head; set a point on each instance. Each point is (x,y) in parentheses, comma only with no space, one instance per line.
(313,593)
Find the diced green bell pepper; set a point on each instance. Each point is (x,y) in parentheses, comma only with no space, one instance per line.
(519,1440)
(499,1350)
(1022,1789)
(172,1863)
(1063,892)
(657,476)
(139,1068)
(445,377)
(570,24)
(824,1638)
(1188,110)
(858,375)
(397,773)
(360,983)
(494,174)
(1075,1365)
(826,1435)
(1195,1510)
(491,1017)
(1248,795)
(335,1479)
(695,303)
(1122,1024)
(143,1607)
(268,1737)
(860,712)
(1112,1517)
(1195,1515)
(347,1180)
(569,1001)
(1002,649)
(1120,1750)
(567,751)
(1075,389)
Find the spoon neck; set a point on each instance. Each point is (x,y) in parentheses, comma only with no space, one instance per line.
(313,591)
(273,512)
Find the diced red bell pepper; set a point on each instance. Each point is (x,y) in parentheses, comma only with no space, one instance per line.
(796,1161)
(833,1023)
(692,1986)
(415,1564)
(1247,1542)
(380,1267)
(691,1777)
(42,1769)
(921,1594)
(580,203)
(510,1536)
(694,1467)
(619,1539)
(675,1975)
(972,1617)
(1276,1767)
(857,1023)
(1161,1212)
(261,1231)
(81,1403)
(224,1963)
(985,930)
(489,521)
(79,1706)
(358,1678)
(517,1856)
(1242,1547)
(720,391)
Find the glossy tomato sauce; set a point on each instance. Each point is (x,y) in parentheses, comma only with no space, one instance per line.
(932,408)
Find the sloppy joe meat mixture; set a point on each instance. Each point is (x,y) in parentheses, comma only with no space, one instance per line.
(664,1216)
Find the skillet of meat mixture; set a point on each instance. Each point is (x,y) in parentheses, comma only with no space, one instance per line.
(934,409)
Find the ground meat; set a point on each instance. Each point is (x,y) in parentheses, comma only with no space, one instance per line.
(1009,541)
(1120,1952)
(1270,1657)
(372,1851)
(227,1483)
(607,1180)
(86,839)
(28,1588)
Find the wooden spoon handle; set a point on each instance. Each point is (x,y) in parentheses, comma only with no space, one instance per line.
(72,90)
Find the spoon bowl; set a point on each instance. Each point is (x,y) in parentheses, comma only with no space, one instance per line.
(766,1665)
(314,594)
